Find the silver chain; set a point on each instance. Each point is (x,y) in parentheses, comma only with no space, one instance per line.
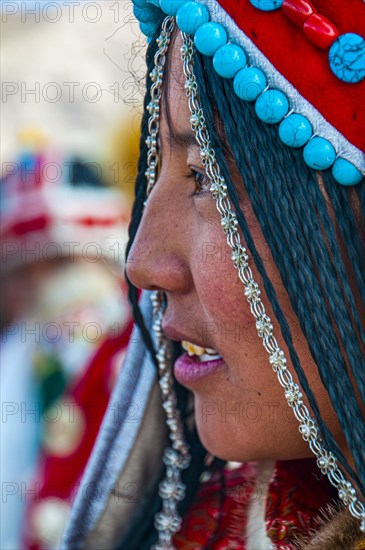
(176,456)
(153,107)
(326,461)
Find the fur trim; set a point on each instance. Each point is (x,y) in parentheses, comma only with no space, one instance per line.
(337,530)
(256,537)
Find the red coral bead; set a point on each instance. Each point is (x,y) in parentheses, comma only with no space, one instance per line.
(297,11)
(319,30)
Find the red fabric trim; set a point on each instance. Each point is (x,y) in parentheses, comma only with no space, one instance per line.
(304,64)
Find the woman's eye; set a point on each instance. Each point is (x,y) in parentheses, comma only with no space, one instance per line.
(202,181)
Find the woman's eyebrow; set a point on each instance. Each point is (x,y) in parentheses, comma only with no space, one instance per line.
(181,140)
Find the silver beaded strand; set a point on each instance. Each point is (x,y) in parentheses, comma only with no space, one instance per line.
(326,461)
(176,457)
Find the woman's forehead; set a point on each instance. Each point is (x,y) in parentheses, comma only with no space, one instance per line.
(175,71)
(178,111)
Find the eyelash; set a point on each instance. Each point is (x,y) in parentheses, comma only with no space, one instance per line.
(195,175)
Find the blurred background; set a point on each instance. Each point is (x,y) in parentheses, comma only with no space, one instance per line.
(71,98)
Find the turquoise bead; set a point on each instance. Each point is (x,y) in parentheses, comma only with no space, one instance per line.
(271,106)
(319,153)
(170,7)
(209,37)
(267,5)
(345,172)
(190,16)
(249,83)
(154,3)
(228,60)
(295,130)
(347,57)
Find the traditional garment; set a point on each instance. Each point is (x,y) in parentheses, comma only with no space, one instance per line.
(221,517)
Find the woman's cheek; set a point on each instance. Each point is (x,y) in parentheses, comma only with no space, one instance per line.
(218,286)
(226,318)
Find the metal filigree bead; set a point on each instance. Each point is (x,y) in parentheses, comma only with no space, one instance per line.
(264,326)
(165,383)
(153,108)
(167,522)
(171,457)
(239,257)
(205,154)
(229,222)
(308,429)
(155,300)
(154,74)
(191,86)
(218,188)
(161,355)
(346,492)
(326,462)
(197,120)
(150,174)
(168,406)
(174,459)
(157,322)
(162,41)
(172,424)
(186,51)
(151,141)
(277,360)
(293,395)
(172,489)
(252,291)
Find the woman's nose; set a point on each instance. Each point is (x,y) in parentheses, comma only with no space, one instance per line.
(158,257)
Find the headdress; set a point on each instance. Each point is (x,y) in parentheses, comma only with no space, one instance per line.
(271,49)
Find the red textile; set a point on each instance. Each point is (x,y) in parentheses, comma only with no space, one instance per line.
(295,496)
(304,64)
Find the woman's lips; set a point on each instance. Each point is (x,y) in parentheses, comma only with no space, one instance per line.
(188,369)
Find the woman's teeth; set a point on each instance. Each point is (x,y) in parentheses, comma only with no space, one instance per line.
(203,354)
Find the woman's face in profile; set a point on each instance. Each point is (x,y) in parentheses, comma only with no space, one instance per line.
(181,249)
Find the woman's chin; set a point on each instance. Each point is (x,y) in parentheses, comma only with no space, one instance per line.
(238,443)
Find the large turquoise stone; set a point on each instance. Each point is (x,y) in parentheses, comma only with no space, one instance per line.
(347,57)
